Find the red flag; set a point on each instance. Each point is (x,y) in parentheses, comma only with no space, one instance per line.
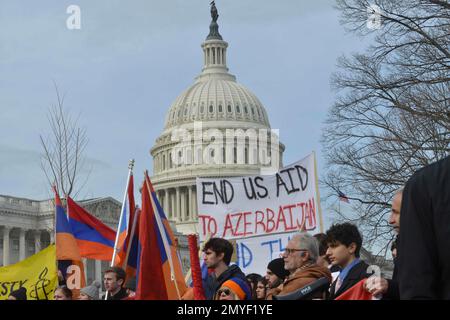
(357,292)
(159,274)
(67,250)
(149,274)
(199,292)
(167,245)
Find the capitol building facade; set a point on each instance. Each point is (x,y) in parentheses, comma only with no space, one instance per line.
(234,139)
(28,227)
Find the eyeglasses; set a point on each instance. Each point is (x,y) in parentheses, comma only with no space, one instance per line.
(291,251)
(227,292)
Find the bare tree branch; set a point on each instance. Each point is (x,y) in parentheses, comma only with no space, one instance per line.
(64,148)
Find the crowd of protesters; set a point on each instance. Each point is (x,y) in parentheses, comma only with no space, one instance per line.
(329,264)
(334,256)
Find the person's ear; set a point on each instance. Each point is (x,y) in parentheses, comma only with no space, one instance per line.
(120,282)
(352,248)
(221,255)
(304,255)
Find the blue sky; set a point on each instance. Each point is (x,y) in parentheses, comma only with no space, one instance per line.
(131,59)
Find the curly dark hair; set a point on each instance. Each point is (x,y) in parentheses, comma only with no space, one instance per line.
(220,245)
(346,234)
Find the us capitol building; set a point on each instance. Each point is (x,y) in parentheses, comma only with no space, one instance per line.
(219,102)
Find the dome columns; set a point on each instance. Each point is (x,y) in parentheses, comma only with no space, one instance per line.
(215,55)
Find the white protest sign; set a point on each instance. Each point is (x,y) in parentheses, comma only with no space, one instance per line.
(254,254)
(242,207)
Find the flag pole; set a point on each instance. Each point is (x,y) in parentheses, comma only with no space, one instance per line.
(130,171)
(317,192)
(163,236)
(54,218)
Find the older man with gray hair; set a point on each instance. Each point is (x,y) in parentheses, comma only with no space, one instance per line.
(300,258)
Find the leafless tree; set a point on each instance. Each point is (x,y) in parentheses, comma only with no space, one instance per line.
(392,112)
(62,161)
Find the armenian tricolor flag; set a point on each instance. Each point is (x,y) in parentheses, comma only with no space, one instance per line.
(66,244)
(95,239)
(157,252)
(67,251)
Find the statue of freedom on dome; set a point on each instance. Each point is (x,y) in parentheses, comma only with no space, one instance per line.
(214,14)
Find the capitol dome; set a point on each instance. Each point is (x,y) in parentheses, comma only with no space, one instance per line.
(216,98)
(215,101)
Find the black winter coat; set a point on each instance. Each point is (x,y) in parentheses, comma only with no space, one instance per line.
(424,242)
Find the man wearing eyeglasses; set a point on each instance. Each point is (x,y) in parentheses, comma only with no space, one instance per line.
(300,258)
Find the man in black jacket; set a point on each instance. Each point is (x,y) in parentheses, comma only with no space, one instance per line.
(424,242)
(113,280)
(344,243)
(218,254)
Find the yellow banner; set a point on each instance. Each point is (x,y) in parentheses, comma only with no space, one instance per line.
(38,274)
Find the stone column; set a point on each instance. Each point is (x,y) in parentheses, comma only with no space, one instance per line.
(177,204)
(22,249)
(172,209)
(167,160)
(37,241)
(52,236)
(190,216)
(6,231)
(98,271)
(194,204)
(166,203)
(183,205)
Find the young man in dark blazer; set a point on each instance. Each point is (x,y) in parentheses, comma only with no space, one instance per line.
(344,243)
